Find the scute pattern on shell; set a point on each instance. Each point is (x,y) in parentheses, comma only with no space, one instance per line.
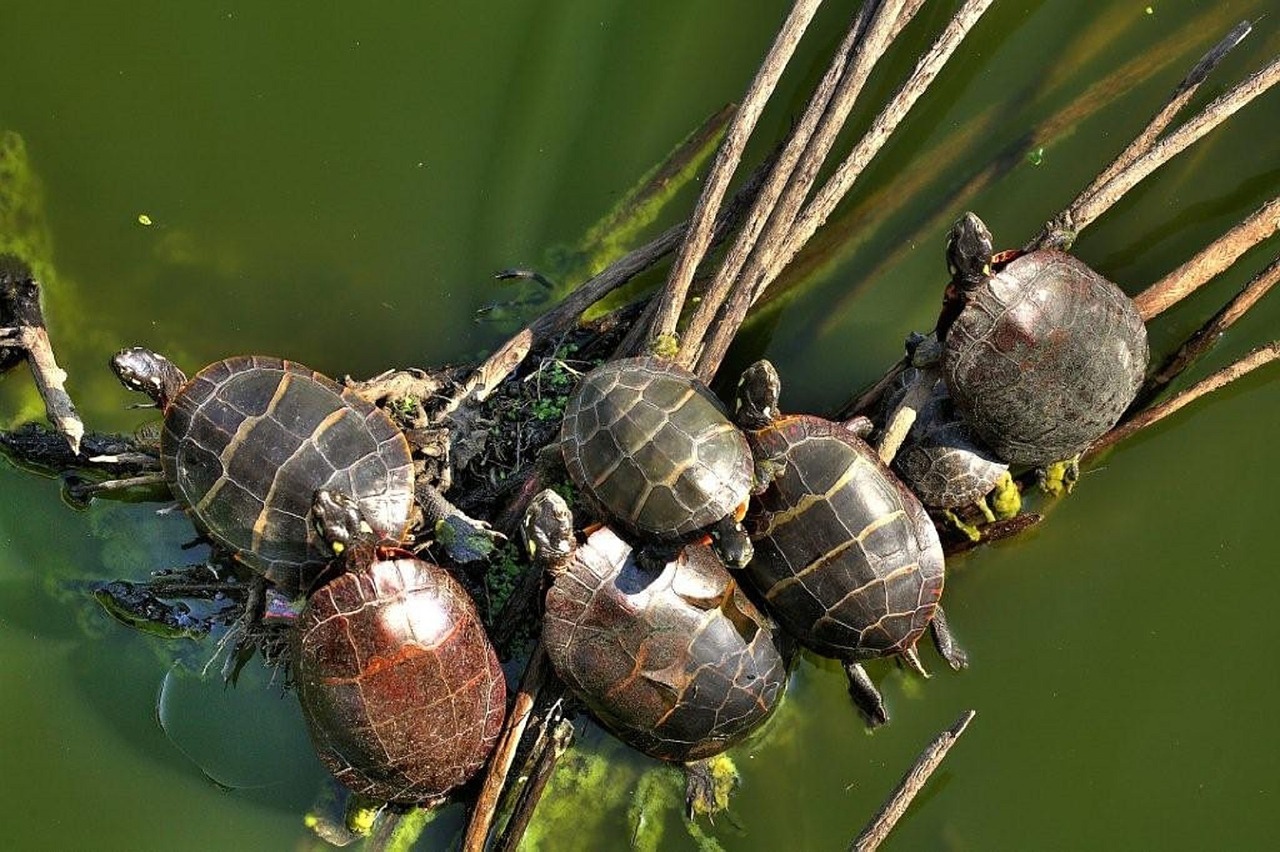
(401,690)
(248,440)
(846,557)
(680,664)
(942,460)
(652,446)
(1044,358)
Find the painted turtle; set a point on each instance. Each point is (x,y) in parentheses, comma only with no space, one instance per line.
(401,690)
(941,460)
(674,659)
(1040,353)
(846,557)
(654,449)
(248,440)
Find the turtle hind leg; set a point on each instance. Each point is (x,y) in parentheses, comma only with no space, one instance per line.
(945,642)
(869,700)
(708,784)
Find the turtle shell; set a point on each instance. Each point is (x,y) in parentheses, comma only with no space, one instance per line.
(1044,357)
(401,690)
(675,661)
(248,440)
(653,447)
(942,461)
(845,556)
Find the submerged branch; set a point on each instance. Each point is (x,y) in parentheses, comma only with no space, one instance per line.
(910,785)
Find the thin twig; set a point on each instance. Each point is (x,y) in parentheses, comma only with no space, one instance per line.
(1143,142)
(1209,262)
(504,753)
(1175,143)
(558,743)
(1209,334)
(796,168)
(761,272)
(911,784)
(555,322)
(698,236)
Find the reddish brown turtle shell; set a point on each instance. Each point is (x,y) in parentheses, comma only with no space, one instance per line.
(1044,357)
(675,661)
(652,446)
(248,440)
(846,556)
(401,690)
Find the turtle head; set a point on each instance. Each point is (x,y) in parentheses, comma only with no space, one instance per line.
(969,252)
(548,529)
(139,369)
(339,520)
(758,392)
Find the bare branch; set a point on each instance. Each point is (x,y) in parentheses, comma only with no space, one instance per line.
(1209,262)
(698,237)
(910,785)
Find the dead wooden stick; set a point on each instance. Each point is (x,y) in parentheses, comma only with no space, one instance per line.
(24,330)
(911,784)
(765,268)
(1209,262)
(504,753)
(796,168)
(1143,142)
(1175,143)
(558,742)
(702,224)
(1255,359)
(1209,334)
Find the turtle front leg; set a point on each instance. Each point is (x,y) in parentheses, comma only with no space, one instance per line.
(869,700)
(945,642)
(465,539)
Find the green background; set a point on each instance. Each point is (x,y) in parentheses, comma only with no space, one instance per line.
(337,186)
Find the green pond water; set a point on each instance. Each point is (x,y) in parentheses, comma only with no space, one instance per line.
(338,186)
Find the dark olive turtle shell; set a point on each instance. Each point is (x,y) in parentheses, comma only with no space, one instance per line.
(845,556)
(942,461)
(652,446)
(677,662)
(400,687)
(1044,357)
(248,440)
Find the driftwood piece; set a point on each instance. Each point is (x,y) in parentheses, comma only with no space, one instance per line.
(495,780)
(807,222)
(22,330)
(555,744)
(910,785)
(702,223)
(1206,336)
(1209,262)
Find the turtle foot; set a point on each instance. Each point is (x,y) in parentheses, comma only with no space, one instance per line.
(708,784)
